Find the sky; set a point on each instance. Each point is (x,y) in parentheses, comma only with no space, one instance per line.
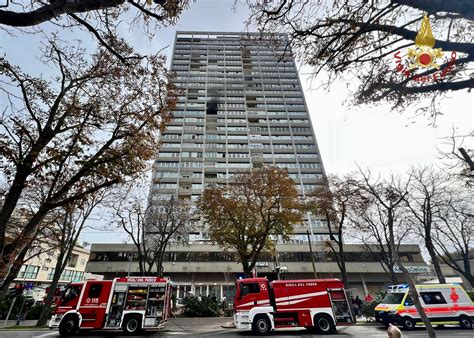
(372,137)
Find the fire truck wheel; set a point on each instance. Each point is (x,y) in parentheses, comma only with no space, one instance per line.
(324,324)
(132,325)
(465,322)
(69,326)
(408,323)
(261,325)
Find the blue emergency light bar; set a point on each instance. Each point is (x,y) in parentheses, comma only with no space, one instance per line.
(398,287)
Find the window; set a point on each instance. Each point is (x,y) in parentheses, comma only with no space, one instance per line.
(28,271)
(72,261)
(94,291)
(67,275)
(249,288)
(229,292)
(71,293)
(78,275)
(393,298)
(432,298)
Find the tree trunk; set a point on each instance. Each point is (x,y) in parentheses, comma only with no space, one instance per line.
(345,280)
(416,300)
(411,285)
(11,200)
(467,270)
(246,268)
(44,316)
(470,279)
(141,264)
(342,265)
(12,274)
(434,258)
(159,263)
(390,258)
(393,274)
(12,250)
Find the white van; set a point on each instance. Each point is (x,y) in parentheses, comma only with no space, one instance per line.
(444,304)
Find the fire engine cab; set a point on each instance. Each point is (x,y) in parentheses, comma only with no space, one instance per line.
(264,306)
(132,304)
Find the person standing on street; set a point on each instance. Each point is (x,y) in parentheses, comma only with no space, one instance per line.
(354,307)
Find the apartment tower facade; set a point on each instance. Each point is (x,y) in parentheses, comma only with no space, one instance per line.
(240,106)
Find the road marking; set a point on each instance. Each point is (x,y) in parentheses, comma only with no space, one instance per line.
(385,335)
(47,334)
(424,334)
(176,333)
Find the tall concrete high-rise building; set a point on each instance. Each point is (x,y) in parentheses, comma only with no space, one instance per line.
(241,105)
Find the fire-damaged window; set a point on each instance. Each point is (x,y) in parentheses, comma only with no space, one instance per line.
(212,106)
(249,288)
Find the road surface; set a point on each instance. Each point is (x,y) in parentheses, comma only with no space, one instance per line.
(194,327)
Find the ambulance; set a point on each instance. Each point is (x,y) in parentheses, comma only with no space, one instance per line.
(444,304)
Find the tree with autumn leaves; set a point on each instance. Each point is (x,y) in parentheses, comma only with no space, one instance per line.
(92,123)
(90,120)
(253,212)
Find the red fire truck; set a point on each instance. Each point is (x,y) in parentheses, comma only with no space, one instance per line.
(264,306)
(131,304)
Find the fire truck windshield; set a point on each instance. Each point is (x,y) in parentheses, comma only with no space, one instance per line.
(246,288)
(71,292)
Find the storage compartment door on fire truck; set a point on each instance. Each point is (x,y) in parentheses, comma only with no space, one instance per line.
(116,305)
(340,306)
(94,304)
(158,304)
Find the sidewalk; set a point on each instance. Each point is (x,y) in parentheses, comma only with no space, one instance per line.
(174,324)
(363,321)
(197,324)
(23,323)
